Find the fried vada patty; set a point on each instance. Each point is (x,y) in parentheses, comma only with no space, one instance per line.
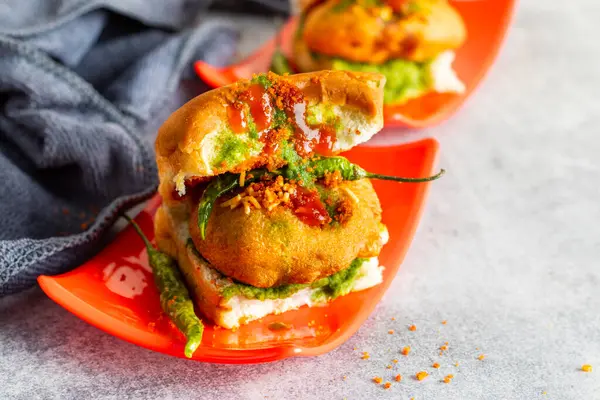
(416,30)
(272,248)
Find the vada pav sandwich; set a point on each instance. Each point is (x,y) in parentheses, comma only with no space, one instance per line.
(258,211)
(411,42)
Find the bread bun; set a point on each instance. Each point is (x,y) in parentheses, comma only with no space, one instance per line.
(197,141)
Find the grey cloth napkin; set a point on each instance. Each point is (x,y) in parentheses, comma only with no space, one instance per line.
(80,82)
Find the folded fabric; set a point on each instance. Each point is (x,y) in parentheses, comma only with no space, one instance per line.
(80,82)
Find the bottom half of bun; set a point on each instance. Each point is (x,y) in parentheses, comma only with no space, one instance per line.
(223,300)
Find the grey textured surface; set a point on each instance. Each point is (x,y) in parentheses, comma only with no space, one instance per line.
(507,253)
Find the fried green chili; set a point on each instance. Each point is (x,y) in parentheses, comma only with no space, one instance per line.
(279,62)
(174,296)
(352,172)
(318,167)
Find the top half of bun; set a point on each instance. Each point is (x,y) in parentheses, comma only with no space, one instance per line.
(197,140)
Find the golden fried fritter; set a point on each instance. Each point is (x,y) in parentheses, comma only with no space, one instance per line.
(376,34)
(271,248)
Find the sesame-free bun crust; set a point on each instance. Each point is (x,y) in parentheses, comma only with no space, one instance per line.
(190,141)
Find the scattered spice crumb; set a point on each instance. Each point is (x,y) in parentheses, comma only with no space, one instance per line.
(436,365)
(279,326)
(398,378)
(377,380)
(406,350)
(421,375)
(481,357)
(395,361)
(444,347)
(344,377)
(389,367)
(412,328)
(456,364)
(448,378)
(391,331)
(444,322)
(446,343)
(365,355)
(387,385)
(393,318)
(586,368)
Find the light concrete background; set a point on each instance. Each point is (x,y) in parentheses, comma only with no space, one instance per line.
(507,253)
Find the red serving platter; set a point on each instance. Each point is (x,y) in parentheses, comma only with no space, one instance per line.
(115,292)
(486,21)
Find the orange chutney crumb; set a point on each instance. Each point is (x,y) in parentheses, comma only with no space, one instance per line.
(448,378)
(444,322)
(391,331)
(395,361)
(389,367)
(481,357)
(398,378)
(444,348)
(387,385)
(377,380)
(412,328)
(456,364)
(393,318)
(586,368)
(365,355)
(405,350)
(421,375)
(436,365)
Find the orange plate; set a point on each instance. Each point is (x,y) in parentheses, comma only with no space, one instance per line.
(486,22)
(114,291)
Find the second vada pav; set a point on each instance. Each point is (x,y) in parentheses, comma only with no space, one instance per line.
(258,209)
(411,42)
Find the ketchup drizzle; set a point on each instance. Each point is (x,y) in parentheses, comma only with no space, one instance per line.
(307,206)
